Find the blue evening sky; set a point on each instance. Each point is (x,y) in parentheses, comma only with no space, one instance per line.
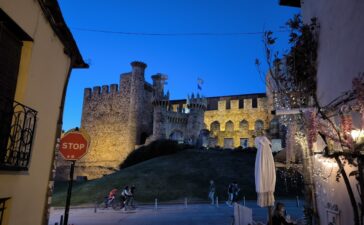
(225,63)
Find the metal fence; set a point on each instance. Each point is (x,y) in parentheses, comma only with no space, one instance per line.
(17,130)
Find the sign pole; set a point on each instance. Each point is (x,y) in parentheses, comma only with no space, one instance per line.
(69,193)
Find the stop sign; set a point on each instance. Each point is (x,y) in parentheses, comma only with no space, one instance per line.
(74,145)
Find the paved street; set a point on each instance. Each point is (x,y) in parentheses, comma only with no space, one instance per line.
(166,215)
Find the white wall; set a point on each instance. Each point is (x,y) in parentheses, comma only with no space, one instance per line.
(340,59)
(341,48)
(329,191)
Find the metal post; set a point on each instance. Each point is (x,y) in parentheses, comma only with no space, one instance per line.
(186,203)
(69,193)
(244,200)
(95,210)
(217,202)
(298,201)
(156,203)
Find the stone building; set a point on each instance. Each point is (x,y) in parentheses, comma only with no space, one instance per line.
(119,119)
(231,121)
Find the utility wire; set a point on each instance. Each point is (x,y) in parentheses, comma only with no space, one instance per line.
(175,34)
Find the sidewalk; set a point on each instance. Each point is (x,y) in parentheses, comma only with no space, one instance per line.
(176,214)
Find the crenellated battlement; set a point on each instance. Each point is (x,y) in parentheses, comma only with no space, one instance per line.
(177,117)
(161,100)
(101,91)
(198,102)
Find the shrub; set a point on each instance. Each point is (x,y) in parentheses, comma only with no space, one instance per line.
(153,150)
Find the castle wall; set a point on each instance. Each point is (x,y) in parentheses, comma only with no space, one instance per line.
(176,123)
(105,116)
(236,115)
(120,119)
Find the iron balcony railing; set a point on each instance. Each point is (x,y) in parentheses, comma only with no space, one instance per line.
(17,126)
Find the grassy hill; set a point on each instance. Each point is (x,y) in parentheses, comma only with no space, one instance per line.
(174,177)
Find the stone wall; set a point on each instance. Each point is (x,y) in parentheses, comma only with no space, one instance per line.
(121,119)
(232,111)
(232,121)
(106,116)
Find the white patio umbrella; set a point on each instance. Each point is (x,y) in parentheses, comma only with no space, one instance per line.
(265,173)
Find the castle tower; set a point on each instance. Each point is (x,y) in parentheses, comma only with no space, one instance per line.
(136,103)
(160,103)
(197,106)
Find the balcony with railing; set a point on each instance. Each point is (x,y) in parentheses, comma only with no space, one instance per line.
(17,128)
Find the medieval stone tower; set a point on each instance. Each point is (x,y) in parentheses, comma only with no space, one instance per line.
(137,96)
(160,103)
(121,117)
(195,123)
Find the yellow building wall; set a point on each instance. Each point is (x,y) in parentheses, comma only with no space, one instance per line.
(42,75)
(236,115)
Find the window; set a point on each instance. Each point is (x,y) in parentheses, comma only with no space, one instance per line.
(228,143)
(229,126)
(244,125)
(17,121)
(215,127)
(254,103)
(241,103)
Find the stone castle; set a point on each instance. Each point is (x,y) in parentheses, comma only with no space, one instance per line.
(121,118)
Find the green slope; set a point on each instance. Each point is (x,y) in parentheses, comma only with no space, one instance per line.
(174,177)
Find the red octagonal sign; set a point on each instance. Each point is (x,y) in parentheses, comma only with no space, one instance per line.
(74,145)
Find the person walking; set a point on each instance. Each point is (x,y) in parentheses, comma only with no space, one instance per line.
(230,194)
(236,191)
(212,190)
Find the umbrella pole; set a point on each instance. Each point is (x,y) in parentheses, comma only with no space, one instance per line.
(270,215)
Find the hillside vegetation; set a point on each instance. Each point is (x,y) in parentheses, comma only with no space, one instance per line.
(174,177)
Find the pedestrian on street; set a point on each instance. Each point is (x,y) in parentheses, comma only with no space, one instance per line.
(236,191)
(230,194)
(212,191)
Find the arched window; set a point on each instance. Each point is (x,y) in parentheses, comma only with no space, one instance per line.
(215,127)
(244,125)
(229,126)
(259,125)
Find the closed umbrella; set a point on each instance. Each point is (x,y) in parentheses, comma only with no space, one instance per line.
(265,173)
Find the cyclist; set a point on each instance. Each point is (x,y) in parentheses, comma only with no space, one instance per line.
(111,197)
